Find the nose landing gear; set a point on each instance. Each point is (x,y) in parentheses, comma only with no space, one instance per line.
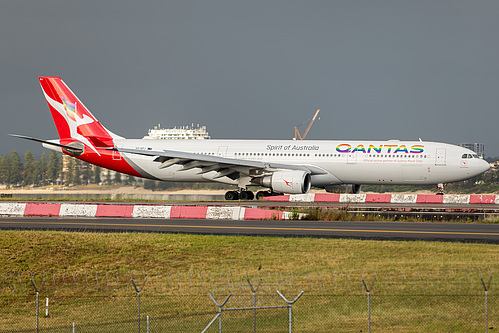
(440,188)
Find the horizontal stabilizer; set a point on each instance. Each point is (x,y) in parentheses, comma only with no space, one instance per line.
(71,149)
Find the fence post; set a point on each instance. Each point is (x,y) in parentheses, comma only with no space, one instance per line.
(486,288)
(368,290)
(219,314)
(254,291)
(37,301)
(138,297)
(290,306)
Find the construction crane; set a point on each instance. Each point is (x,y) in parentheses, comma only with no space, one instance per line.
(297,133)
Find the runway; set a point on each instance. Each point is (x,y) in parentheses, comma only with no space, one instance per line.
(483,233)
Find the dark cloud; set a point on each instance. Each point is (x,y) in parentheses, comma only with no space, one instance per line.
(255,69)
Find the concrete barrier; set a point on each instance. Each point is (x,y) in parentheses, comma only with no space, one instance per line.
(308,197)
(141,211)
(42,209)
(430,198)
(78,210)
(327,197)
(149,211)
(482,199)
(12,209)
(225,213)
(188,212)
(456,199)
(404,198)
(388,198)
(378,198)
(352,198)
(114,211)
(279,198)
(262,214)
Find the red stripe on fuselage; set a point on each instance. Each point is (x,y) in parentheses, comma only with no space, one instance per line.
(108,159)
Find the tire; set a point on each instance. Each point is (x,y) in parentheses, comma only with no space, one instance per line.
(231,195)
(247,195)
(260,195)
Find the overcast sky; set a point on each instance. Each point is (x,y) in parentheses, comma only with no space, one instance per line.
(254,69)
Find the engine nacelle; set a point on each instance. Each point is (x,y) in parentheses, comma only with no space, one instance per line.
(292,182)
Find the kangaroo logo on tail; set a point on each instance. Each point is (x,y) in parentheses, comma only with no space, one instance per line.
(72,118)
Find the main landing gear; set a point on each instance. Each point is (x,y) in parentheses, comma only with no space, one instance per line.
(236,195)
(248,195)
(261,194)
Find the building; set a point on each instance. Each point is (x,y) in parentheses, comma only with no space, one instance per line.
(478,148)
(178,133)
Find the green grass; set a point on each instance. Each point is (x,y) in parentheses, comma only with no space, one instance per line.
(49,250)
(396,306)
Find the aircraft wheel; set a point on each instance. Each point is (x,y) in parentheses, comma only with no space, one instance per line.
(247,195)
(231,195)
(261,194)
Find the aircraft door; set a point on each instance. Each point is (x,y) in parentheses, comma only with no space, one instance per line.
(222,151)
(352,158)
(440,157)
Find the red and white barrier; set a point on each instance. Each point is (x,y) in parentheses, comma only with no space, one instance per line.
(12,209)
(389,198)
(141,211)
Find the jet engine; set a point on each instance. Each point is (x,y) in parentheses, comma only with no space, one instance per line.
(292,182)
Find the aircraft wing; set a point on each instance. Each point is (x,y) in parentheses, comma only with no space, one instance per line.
(230,167)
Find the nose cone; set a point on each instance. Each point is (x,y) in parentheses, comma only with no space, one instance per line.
(480,166)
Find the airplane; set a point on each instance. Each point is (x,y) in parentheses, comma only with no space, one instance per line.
(282,166)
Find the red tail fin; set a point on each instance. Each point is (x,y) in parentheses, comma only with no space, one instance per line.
(71,117)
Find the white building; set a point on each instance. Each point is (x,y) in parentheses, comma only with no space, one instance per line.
(180,133)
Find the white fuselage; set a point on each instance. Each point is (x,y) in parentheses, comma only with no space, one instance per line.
(343,162)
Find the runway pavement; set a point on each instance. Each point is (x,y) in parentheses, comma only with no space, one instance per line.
(484,233)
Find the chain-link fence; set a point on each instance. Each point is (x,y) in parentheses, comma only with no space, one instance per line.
(444,301)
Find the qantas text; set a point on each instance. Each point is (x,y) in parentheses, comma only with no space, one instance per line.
(368,149)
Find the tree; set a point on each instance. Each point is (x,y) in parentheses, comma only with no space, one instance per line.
(16,168)
(108,177)
(117,178)
(68,177)
(36,176)
(4,170)
(150,184)
(76,172)
(86,172)
(43,169)
(97,172)
(54,167)
(29,168)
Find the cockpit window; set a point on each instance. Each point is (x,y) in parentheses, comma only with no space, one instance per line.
(464,156)
(476,156)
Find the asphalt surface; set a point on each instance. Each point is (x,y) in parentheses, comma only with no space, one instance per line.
(461,232)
